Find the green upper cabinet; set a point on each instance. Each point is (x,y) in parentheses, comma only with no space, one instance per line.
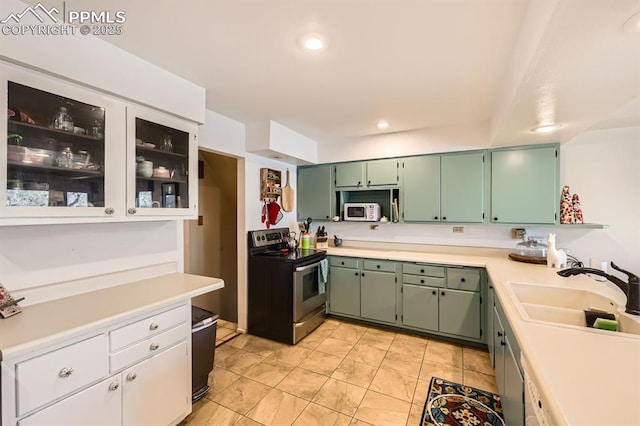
(362,174)
(421,188)
(462,187)
(350,175)
(314,192)
(524,185)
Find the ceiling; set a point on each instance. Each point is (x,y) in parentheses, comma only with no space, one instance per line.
(418,64)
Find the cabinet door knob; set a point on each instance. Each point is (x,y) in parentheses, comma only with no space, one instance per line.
(65,372)
(378,266)
(435,217)
(154,346)
(356,274)
(131,377)
(422,271)
(495,219)
(114,386)
(462,280)
(362,275)
(421,281)
(109,210)
(433,292)
(342,263)
(442,293)
(326,217)
(153,326)
(368,183)
(132,210)
(444,218)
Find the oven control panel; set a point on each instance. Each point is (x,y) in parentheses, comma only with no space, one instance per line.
(269,237)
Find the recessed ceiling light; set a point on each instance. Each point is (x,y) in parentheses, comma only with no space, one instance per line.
(382,125)
(546,128)
(632,25)
(313,43)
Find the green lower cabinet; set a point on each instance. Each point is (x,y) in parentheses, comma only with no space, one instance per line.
(344,291)
(459,313)
(378,296)
(420,307)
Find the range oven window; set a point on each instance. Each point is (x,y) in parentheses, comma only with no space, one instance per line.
(355,212)
(310,284)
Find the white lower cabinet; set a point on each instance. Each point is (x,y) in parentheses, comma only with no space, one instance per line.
(142,380)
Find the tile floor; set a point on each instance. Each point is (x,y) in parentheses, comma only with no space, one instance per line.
(226,331)
(341,374)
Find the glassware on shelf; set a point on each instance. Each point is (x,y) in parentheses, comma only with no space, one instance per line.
(62,120)
(96,130)
(65,158)
(167,143)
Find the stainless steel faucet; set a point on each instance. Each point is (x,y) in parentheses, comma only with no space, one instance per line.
(631,289)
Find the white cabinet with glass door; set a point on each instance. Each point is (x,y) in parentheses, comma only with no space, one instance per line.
(162,161)
(60,150)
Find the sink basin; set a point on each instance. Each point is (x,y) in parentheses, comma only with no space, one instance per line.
(565,307)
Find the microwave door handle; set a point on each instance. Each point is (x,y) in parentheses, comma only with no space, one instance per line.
(304,268)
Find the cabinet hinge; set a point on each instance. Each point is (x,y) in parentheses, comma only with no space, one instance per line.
(555,216)
(483,216)
(403,164)
(402,318)
(481,300)
(480,332)
(401,288)
(556,153)
(396,279)
(396,317)
(402,215)
(483,158)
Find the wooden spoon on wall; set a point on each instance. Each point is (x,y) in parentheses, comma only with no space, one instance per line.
(288,196)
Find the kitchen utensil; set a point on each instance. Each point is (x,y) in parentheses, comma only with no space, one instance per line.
(308,226)
(292,242)
(288,196)
(337,241)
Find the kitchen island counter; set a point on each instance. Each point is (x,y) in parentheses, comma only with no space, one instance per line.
(587,377)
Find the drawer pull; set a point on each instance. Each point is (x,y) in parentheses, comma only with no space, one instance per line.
(421,281)
(442,293)
(462,280)
(153,326)
(131,377)
(154,346)
(114,386)
(65,372)
(378,266)
(342,263)
(433,292)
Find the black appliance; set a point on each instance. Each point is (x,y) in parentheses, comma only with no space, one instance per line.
(204,326)
(286,298)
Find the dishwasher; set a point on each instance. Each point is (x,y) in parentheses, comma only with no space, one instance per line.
(203,346)
(536,409)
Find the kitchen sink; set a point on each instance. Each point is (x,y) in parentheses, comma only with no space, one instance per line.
(565,307)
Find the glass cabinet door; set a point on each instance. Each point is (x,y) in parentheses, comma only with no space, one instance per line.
(162,154)
(55,150)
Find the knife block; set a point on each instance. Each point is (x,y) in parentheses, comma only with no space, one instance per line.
(322,242)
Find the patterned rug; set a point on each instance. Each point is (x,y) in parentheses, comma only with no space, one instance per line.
(450,403)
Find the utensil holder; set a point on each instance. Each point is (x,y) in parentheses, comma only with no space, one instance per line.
(322,242)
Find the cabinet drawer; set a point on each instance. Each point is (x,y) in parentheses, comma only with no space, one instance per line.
(147,327)
(345,262)
(150,346)
(58,373)
(422,280)
(414,269)
(463,279)
(380,265)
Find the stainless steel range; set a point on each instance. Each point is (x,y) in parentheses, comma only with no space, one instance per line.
(286,299)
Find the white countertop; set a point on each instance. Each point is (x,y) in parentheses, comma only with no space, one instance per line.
(40,324)
(589,378)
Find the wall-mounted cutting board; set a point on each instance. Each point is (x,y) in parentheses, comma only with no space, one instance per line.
(288,196)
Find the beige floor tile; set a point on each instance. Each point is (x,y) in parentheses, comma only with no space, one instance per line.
(357,422)
(242,395)
(320,362)
(335,347)
(340,396)
(224,351)
(269,372)
(480,381)
(292,355)
(240,362)
(349,332)
(404,345)
(379,409)
(317,415)
(444,353)
(219,379)
(328,326)
(302,383)
(415,415)
(263,347)
(246,421)
(422,389)
(223,332)
(447,372)
(354,372)
(212,414)
(377,339)
(403,364)
(477,360)
(367,354)
(392,383)
(278,408)
(231,325)
(241,341)
(314,339)
(222,323)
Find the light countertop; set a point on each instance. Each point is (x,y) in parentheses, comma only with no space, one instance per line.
(588,378)
(39,325)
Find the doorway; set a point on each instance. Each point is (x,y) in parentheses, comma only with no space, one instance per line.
(211,240)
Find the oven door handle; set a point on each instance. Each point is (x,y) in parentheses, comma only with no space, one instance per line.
(304,268)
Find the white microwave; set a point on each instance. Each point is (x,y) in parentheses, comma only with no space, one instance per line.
(365,212)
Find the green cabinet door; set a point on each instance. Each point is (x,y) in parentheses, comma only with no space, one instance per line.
(378,296)
(382,172)
(460,313)
(421,189)
(512,400)
(344,291)
(462,187)
(350,175)
(314,192)
(499,344)
(524,185)
(420,307)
